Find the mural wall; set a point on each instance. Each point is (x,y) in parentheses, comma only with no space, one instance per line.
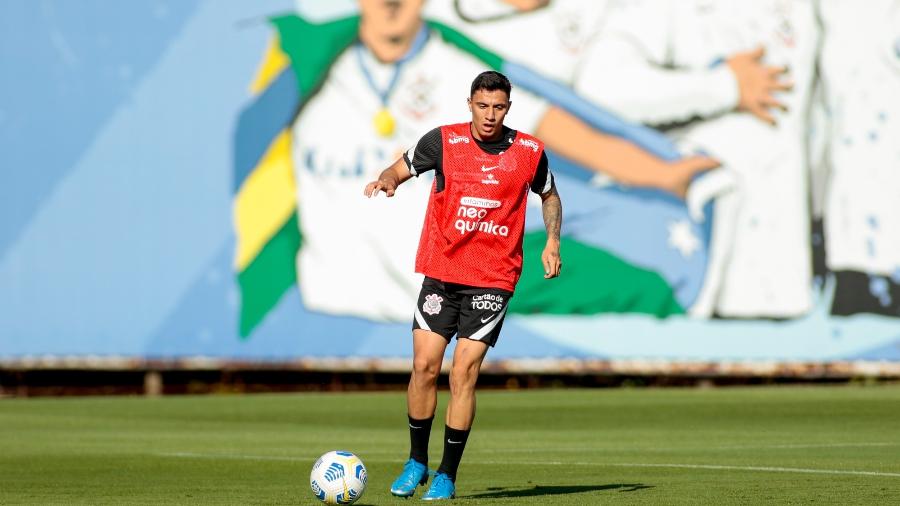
(184,178)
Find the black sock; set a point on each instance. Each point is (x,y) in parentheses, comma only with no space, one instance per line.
(419,431)
(454,445)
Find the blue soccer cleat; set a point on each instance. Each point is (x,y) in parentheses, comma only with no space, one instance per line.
(442,487)
(413,475)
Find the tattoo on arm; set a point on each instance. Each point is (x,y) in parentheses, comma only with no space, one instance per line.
(552,211)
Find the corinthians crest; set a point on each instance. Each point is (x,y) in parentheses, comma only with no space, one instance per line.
(432,304)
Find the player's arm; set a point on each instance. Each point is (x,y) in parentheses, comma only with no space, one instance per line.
(389,180)
(426,155)
(623,161)
(551,207)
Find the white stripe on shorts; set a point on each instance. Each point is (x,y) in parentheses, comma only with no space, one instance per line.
(483,331)
(420,318)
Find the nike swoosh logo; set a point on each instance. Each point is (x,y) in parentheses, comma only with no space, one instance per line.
(454,442)
(487,169)
(411,426)
(485,320)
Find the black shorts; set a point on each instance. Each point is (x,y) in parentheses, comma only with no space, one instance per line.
(449,309)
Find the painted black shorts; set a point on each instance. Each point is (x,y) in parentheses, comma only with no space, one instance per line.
(469,311)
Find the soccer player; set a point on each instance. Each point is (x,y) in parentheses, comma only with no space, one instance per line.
(470,252)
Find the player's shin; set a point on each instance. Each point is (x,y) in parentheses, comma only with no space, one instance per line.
(419,433)
(454,445)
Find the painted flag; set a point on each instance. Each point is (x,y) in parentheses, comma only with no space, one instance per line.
(265,201)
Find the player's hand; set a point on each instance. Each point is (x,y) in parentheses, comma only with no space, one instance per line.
(551,260)
(388,187)
(682,172)
(758,83)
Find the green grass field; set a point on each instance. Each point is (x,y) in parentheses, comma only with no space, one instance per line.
(798,445)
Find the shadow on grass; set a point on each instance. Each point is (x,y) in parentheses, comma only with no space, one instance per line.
(500,492)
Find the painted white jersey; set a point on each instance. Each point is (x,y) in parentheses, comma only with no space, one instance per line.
(762,265)
(642,66)
(357,256)
(860,61)
(550,40)
(768,272)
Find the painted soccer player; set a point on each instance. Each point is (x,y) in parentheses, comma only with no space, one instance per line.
(470,252)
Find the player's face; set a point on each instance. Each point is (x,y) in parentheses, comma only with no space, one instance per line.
(488,110)
(391,18)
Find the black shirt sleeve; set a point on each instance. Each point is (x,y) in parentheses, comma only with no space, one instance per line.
(543,178)
(426,154)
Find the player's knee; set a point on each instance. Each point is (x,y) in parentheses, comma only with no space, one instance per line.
(425,369)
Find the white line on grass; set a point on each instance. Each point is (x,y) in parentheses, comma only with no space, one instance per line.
(714,467)
(692,448)
(231,456)
(757,468)
(803,446)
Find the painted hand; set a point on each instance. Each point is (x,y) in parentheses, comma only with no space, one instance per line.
(758,83)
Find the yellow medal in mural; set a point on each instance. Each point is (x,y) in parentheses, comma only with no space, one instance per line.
(384,122)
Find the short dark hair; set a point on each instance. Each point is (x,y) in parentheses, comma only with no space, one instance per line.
(489,81)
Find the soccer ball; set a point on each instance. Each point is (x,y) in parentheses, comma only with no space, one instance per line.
(338,477)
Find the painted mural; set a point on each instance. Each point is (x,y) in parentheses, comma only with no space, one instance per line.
(185,178)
